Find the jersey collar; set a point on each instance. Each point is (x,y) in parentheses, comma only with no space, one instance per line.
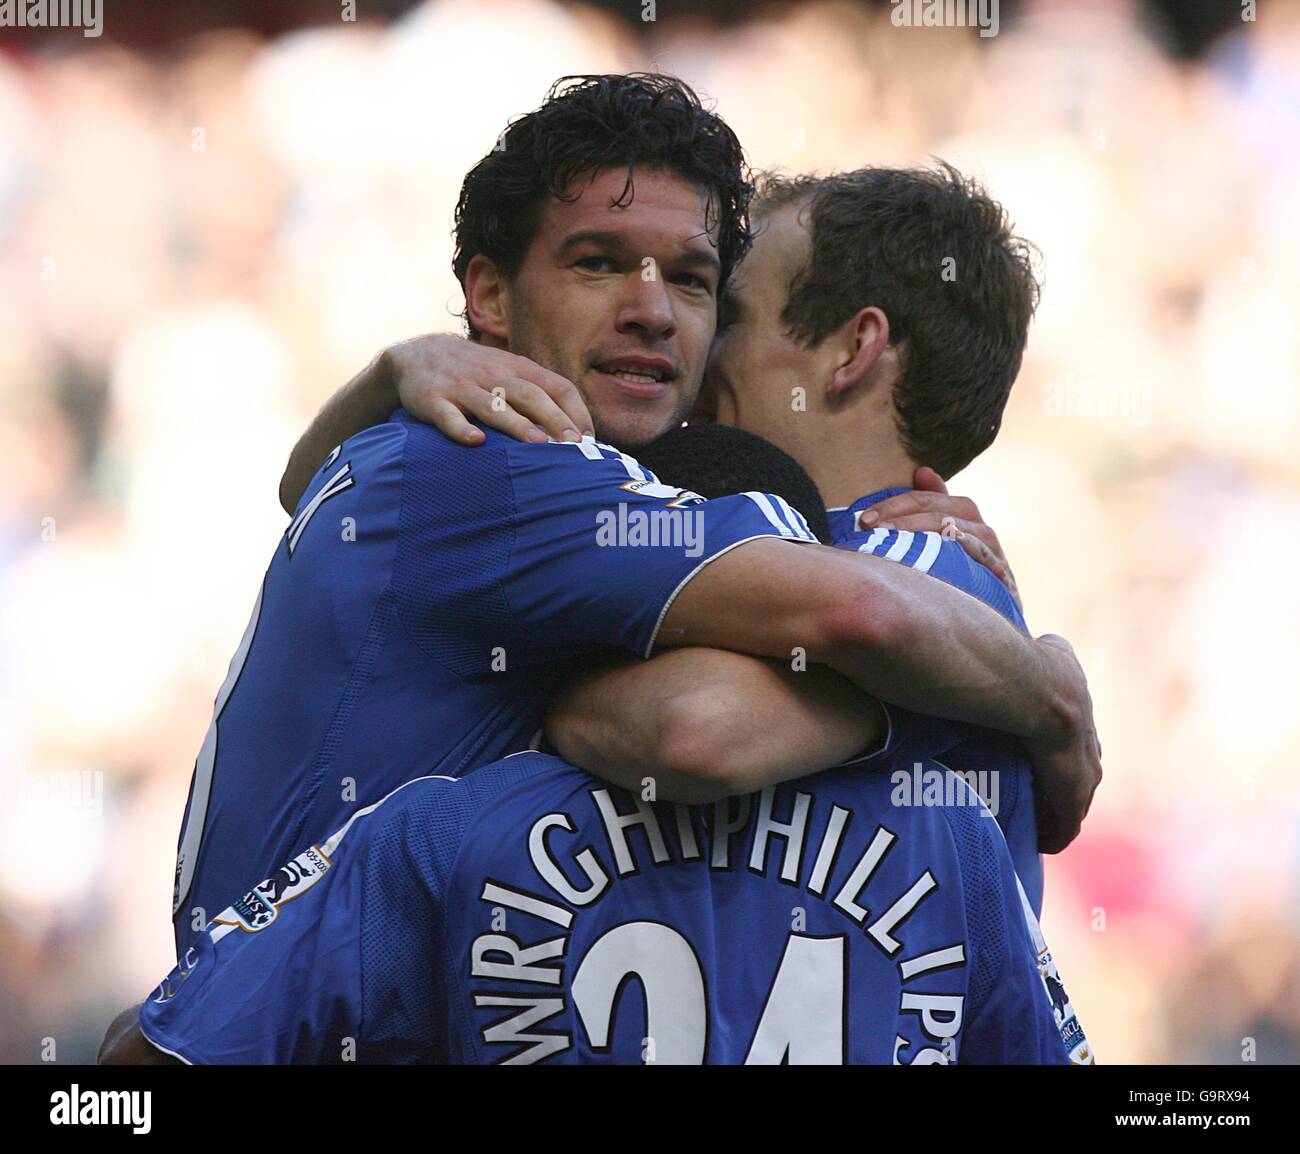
(875,498)
(849,513)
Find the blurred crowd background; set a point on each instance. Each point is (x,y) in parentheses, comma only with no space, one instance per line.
(213,215)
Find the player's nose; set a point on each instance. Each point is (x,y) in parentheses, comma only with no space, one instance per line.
(646,308)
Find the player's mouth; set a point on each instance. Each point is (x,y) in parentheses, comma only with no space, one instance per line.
(646,378)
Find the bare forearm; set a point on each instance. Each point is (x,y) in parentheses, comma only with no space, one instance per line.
(899,635)
(613,720)
(936,650)
(365,400)
(905,638)
(762,721)
(705,723)
(450,383)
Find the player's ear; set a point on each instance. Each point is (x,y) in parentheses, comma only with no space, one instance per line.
(487,298)
(863,342)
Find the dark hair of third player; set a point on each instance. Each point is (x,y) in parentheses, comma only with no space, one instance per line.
(716,460)
(938,256)
(586,125)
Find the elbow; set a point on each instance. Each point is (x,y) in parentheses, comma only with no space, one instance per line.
(680,754)
(702,753)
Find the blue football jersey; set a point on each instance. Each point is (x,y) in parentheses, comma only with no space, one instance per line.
(415,617)
(993,762)
(528,912)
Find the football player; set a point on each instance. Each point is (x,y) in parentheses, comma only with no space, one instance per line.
(428,596)
(527,912)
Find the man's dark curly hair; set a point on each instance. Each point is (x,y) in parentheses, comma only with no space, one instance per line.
(588,124)
(938,256)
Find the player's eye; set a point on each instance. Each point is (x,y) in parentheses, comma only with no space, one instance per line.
(595,264)
(691,281)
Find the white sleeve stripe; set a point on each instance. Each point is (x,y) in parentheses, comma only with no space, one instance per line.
(340,481)
(760,499)
(324,491)
(629,463)
(901,546)
(933,543)
(877,536)
(796,519)
(783,511)
(633,469)
(595,450)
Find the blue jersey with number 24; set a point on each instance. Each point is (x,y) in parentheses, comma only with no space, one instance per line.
(528,912)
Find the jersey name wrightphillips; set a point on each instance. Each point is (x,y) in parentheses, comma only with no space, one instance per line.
(735,833)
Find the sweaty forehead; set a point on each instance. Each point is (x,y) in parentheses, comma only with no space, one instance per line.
(659,206)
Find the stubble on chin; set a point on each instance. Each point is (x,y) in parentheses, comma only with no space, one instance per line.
(631,431)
